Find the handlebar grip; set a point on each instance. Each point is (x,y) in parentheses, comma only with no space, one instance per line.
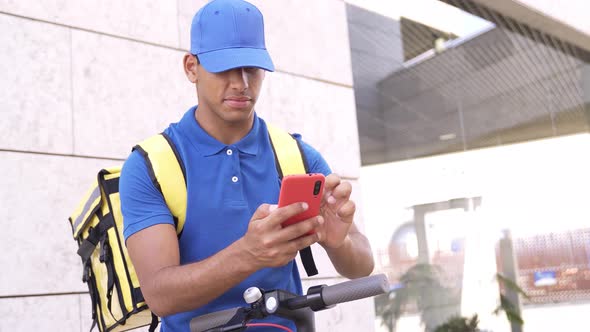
(355,289)
(209,321)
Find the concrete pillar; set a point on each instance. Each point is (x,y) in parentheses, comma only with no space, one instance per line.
(585,77)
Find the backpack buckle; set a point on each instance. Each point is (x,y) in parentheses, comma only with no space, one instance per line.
(86,272)
(104,250)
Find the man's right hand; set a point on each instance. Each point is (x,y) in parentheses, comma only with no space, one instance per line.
(268,244)
(170,288)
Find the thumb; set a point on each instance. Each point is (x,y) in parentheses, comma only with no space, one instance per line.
(263,211)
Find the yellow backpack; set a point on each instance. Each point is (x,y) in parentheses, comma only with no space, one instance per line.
(97,227)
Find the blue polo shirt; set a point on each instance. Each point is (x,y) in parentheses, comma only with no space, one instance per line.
(225,185)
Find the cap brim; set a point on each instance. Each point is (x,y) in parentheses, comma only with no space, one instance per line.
(230,58)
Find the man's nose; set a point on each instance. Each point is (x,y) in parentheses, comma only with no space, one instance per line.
(239,79)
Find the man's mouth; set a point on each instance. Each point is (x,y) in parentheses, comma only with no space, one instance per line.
(238,101)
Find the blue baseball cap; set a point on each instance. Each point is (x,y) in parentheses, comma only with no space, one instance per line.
(228,34)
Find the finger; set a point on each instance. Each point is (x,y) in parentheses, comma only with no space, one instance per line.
(262,211)
(347,209)
(279,215)
(299,229)
(331,182)
(342,191)
(303,242)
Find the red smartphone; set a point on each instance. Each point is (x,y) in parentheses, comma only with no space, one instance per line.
(307,188)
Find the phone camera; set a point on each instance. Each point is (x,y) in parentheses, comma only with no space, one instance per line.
(317,187)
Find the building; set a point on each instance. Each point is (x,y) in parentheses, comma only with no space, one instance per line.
(363,88)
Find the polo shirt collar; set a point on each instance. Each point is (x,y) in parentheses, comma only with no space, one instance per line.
(208,146)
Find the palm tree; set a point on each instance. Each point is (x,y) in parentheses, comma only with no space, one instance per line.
(459,324)
(420,285)
(512,312)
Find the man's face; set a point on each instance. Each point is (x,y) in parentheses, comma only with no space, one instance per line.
(229,95)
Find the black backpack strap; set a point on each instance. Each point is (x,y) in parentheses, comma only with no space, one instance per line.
(308,262)
(290,159)
(154,323)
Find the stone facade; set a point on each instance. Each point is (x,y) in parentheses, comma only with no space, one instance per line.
(84,81)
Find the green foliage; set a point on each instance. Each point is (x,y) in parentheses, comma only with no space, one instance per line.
(421,286)
(459,324)
(512,312)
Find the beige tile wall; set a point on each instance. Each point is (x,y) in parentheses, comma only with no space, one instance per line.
(42,313)
(36,86)
(152,21)
(38,194)
(84,81)
(123,92)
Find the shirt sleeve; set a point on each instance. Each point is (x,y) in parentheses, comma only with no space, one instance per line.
(315,161)
(142,205)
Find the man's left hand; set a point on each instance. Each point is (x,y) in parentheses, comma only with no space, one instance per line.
(337,211)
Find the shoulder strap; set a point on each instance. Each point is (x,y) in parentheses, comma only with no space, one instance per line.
(167,173)
(288,155)
(290,160)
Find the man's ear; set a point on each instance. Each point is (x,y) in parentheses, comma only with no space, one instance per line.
(190,64)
